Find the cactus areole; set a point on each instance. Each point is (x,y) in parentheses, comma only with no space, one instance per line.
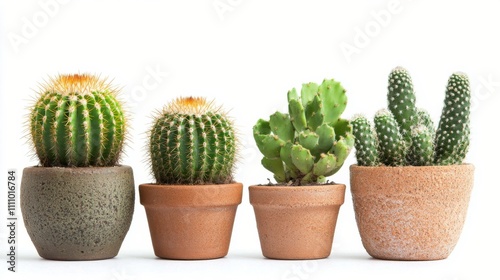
(311,142)
(77,121)
(192,142)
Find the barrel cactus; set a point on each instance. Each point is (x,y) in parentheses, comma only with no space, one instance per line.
(405,134)
(192,142)
(77,121)
(311,142)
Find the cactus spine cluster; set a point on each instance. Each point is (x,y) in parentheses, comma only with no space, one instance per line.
(77,122)
(405,134)
(192,142)
(311,142)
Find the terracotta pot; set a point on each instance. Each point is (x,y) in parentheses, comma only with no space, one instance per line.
(296,222)
(411,212)
(79,213)
(191,222)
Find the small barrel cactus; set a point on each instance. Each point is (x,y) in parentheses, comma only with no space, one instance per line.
(406,135)
(192,142)
(77,122)
(311,142)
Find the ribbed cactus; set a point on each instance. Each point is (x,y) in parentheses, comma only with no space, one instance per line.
(312,141)
(77,122)
(391,144)
(416,141)
(366,142)
(192,142)
(452,136)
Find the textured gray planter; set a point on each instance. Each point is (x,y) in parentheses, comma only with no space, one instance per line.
(79,213)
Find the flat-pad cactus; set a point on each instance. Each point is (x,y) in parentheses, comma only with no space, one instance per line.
(312,141)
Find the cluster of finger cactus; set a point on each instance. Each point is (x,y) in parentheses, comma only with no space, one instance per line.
(311,142)
(192,142)
(405,134)
(77,121)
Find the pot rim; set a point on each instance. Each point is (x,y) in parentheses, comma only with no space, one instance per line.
(297,196)
(453,166)
(229,194)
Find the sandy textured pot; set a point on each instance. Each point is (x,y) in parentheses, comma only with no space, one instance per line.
(191,222)
(296,222)
(79,213)
(411,213)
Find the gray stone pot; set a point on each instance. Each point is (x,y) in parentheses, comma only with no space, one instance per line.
(79,213)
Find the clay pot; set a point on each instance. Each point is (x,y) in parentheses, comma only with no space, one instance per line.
(411,212)
(79,213)
(190,222)
(296,222)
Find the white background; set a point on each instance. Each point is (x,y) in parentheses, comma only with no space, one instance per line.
(247,55)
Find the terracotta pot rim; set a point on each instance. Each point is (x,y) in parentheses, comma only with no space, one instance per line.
(296,188)
(436,167)
(297,196)
(191,195)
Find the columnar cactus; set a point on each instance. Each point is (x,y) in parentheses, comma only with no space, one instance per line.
(312,141)
(401,101)
(452,136)
(192,142)
(77,122)
(391,145)
(366,141)
(416,141)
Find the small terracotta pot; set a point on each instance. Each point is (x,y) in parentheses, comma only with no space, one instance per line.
(296,222)
(190,222)
(80,213)
(411,212)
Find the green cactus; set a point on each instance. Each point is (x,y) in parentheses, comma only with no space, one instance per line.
(452,136)
(77,122)
(365,141)
(192,142)
(391,145)
(425,119)
(312,141)
(401,101)
(421,152)
(417,141)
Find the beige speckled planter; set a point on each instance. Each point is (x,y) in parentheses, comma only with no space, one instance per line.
(79,213)
(189,222)
(411,213)
(296,222)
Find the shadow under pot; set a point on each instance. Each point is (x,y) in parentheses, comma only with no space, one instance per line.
(80,213)
(191,222)
(296,222)
(411,212)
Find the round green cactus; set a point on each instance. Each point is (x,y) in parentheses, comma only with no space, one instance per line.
(192,142)
(77,122)
(311,142)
